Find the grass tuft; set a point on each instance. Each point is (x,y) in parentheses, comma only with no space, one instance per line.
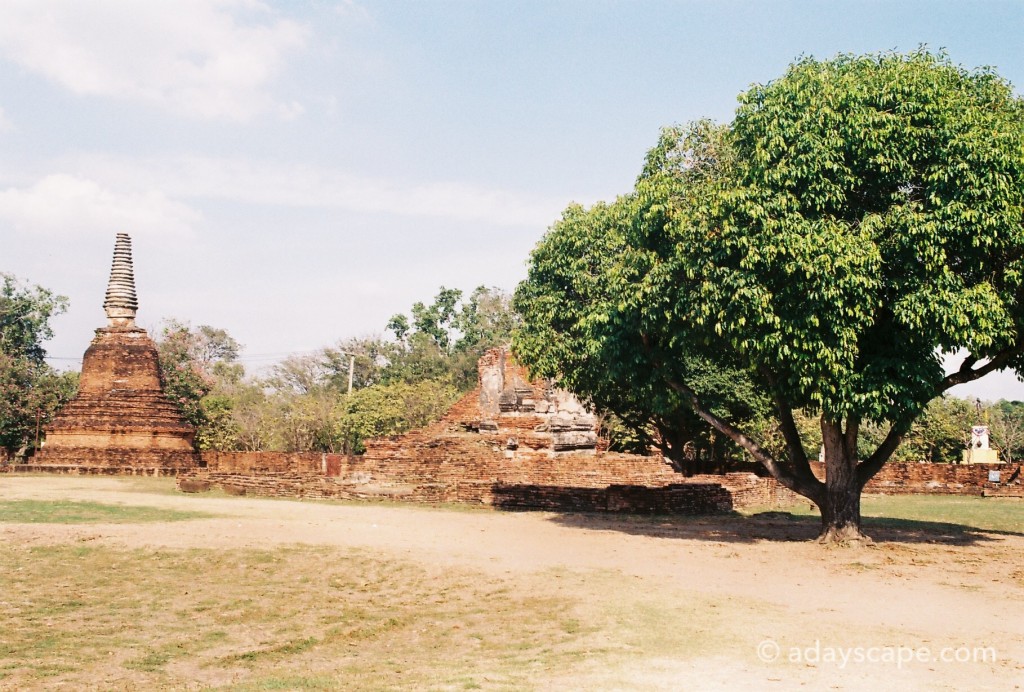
(68,512)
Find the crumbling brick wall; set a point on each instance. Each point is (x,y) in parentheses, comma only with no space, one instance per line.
(936,479)
(266,462)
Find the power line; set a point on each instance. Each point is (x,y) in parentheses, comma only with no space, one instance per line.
(243,358)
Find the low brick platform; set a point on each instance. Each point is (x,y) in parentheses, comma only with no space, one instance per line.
(83,470)
(697,495)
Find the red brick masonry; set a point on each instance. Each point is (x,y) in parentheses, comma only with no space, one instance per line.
(120,419)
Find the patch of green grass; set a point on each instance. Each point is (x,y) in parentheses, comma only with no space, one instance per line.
(150,662)
(984,513)
(67,512)
(948,513)
(278,650)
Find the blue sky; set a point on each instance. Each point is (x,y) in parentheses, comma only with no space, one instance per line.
(297,172)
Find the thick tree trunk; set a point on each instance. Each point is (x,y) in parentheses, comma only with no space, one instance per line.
(838,498)
(840,505)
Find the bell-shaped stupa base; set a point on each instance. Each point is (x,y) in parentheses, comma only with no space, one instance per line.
(121,416)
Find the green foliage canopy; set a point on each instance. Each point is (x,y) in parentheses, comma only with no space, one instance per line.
(869,216)
(579,330)
(28,386)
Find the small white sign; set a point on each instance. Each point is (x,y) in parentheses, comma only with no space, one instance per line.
(993,476)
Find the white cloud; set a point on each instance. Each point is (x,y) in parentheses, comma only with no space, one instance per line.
(295,185)
(5,123)
(212,59)
(66,205)
(352,9)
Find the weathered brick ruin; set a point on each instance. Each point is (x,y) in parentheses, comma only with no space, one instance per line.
(510,443)
(120,420)
(513,443)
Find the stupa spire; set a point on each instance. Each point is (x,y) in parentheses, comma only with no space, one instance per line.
(121,303)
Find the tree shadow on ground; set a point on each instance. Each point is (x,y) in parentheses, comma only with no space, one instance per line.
(776,526)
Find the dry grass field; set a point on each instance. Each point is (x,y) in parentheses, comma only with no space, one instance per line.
(121,583)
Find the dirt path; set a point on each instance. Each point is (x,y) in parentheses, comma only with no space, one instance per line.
(811,602)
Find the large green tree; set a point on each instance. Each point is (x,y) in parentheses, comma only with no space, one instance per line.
(30,390)
(859,217)
(198,366)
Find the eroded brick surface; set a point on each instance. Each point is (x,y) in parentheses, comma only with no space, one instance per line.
(120,418)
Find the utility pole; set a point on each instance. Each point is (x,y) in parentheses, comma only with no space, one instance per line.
(351,370)
(38,413)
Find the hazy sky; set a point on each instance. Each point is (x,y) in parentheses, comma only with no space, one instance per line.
(297,172)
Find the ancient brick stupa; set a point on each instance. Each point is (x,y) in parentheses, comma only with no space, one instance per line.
(121,420)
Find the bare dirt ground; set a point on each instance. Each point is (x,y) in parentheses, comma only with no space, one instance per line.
(761,606)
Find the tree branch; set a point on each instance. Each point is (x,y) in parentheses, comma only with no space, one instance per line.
(967,372)
(794,445)
(797,484)
(867,469)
